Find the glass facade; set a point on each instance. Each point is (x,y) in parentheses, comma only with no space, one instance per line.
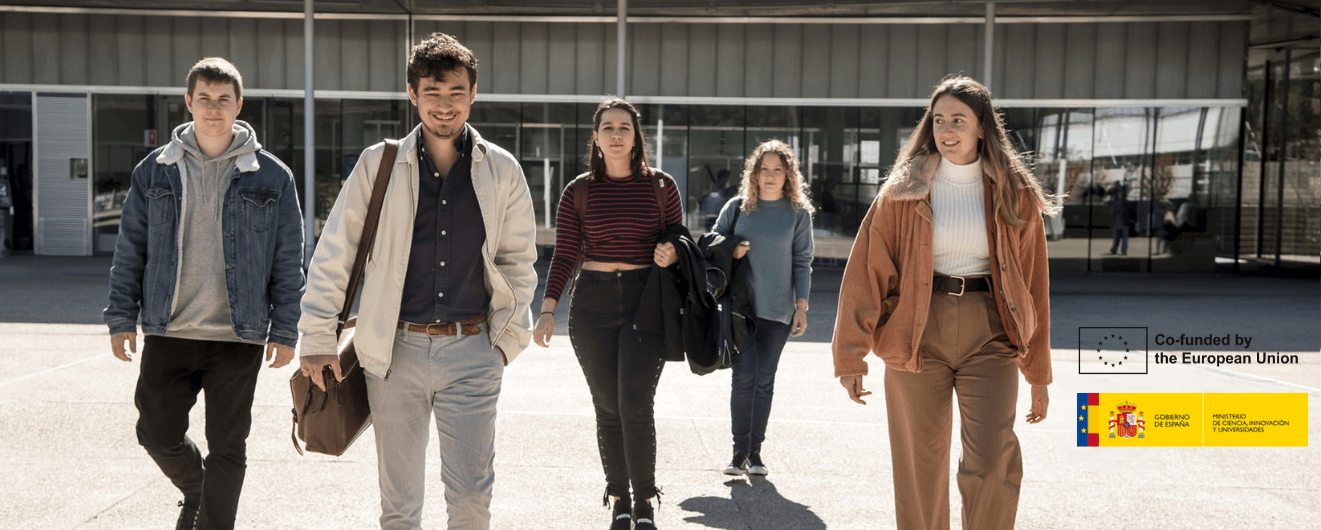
(1144,189)
(1280,219)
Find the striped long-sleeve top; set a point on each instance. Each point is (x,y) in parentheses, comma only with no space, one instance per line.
(622,226)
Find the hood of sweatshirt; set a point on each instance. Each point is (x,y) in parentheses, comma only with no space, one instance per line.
(244,146)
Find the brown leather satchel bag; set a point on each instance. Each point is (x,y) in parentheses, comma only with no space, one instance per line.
(328,422)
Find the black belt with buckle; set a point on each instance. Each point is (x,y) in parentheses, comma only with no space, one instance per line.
(957,285)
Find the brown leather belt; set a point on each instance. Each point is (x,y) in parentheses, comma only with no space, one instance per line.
(437,329)
(957,285)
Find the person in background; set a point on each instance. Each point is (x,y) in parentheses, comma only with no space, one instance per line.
(774,218)
(1117,197)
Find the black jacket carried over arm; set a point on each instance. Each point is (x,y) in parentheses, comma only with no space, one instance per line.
(727,279)
(677,317)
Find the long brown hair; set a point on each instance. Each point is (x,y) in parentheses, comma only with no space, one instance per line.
(998,156)
(638,161)
(795,188)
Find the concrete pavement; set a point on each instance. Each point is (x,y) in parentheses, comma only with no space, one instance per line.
(69,458)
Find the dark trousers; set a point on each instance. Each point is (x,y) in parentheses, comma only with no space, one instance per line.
(753,385)
(172,372)
(621,376)
(1120,236)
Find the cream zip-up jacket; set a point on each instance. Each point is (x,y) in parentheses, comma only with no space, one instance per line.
(507,255)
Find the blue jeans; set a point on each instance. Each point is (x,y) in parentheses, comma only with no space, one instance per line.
(457,380)
(754,385)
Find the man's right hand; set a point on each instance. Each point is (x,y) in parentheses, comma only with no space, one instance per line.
(313,366)
(117,345)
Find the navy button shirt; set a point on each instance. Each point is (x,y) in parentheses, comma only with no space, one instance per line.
(445,280)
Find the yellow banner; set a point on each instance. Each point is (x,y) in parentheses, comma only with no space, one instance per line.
(1256,420)
(1192,420)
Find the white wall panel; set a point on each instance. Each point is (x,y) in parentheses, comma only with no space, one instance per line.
(61,133)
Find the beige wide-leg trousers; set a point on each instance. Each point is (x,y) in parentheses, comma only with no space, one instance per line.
(965,350)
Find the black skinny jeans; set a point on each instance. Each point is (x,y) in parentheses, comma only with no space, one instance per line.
(621,377)
(173,371)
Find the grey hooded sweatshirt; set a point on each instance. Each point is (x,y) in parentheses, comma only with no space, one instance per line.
(201,299)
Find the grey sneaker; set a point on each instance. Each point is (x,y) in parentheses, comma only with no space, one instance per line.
(188,513)
(739,465)
(755,467)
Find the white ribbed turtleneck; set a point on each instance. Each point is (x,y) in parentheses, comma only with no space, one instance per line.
(959,243)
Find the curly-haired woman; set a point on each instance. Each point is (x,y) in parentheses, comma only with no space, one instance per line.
(773,215)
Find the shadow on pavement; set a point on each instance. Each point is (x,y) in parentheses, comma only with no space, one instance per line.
(752,503)
(53,289)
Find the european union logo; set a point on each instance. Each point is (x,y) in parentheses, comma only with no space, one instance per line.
(1112,350)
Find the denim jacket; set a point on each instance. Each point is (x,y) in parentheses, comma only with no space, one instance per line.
(263,248)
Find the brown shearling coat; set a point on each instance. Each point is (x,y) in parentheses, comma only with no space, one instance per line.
(886,289)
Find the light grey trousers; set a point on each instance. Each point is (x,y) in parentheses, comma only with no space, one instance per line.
(456,379)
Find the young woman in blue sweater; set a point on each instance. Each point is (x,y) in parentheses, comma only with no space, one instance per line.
(773,215)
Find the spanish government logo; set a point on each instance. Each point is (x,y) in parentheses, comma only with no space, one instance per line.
(1112,350)
(1127,424)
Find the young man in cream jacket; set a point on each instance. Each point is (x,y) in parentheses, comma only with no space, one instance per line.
(446,294)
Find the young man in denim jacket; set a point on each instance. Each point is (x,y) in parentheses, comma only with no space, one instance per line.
(210,261)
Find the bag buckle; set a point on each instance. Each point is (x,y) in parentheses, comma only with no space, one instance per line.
(963,285)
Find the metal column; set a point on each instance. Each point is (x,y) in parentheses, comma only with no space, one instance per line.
(309,138)
(988,47)
(620,33)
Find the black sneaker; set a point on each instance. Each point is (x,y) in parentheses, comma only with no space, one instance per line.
(622,518)
(755,467)
(739,465)
(188,513)
(644,512)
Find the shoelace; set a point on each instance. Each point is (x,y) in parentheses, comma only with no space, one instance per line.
(197,514)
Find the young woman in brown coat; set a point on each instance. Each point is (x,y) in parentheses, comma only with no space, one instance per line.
(947,283)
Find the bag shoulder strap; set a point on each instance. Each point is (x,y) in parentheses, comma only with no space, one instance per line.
(738,207)
(369,224)
(581,186)
(658,179)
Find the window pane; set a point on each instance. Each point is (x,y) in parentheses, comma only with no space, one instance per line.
(715,155)
(121,125)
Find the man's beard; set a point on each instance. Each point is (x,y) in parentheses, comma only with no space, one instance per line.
(451,132)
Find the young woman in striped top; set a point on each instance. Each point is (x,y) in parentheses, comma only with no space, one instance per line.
(947,283)
(615,243)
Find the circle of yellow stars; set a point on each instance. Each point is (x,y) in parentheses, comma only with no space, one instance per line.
(1102,357)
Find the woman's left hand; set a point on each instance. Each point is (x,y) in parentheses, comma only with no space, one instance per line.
(1040,400)
(664,255)
(799,325)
